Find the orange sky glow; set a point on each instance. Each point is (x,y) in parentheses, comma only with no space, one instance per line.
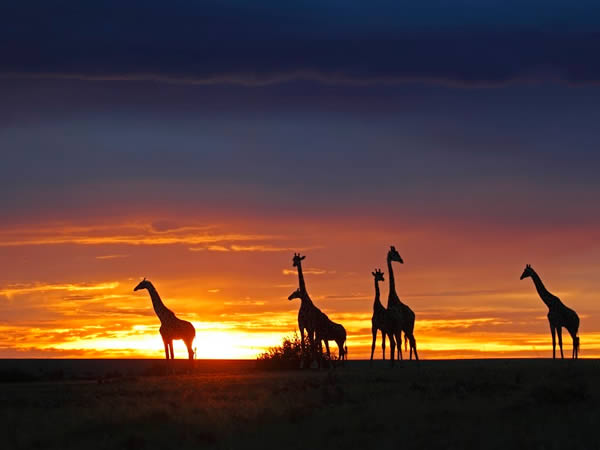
(66,289)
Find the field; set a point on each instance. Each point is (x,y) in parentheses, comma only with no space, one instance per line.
(492,404)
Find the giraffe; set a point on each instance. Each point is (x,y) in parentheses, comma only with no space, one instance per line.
(170,326)
(316,324)
(381,320)
(559,315)
(307,317)
(405,317)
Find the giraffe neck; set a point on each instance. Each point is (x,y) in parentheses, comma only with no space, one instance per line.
(159,307)
(392,296)
(301,278)
(306,301)
(377,301)
(391,276)
(541,289)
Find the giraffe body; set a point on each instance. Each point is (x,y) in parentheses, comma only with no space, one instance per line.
(171,328)
(382,320)
(403,316)
(559,315)
(327,330)
(312,320)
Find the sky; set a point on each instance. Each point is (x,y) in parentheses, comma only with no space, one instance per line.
(201,144)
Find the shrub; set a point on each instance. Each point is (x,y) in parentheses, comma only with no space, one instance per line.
(286,356)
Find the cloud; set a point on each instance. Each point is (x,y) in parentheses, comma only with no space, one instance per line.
(12,290)
(261,248)
(111,256)
(330,42)
(247,248)
(122,234)
(217,248)
(309,271)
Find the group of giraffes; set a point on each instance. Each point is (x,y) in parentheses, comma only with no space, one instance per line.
(392,321)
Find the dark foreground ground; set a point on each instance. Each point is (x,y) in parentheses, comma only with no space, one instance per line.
(490,404)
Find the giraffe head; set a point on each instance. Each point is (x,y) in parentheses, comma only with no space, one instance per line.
(393,255)
(527,272)
(378,274)
(296,294)
(144,284)
(297,259)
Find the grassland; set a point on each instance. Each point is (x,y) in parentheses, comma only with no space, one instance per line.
(492,404)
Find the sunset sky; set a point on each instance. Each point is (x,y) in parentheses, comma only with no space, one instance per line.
(201,144)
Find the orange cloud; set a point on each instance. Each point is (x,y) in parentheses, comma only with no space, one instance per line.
(124,234)
(26,289)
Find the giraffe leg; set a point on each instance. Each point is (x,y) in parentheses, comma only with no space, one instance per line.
(171,350)
(374,333)
(559,332)
(399,344)
(392,350)
(188,344)
(553,341)
(341,352)
(319,343)
(413,346)
(166,349)
(383,344)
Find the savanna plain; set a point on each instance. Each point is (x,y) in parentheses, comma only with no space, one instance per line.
(463,404)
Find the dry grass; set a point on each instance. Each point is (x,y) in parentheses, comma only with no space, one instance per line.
(453,404)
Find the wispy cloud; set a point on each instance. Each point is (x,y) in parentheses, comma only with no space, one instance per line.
(111,256)
(309,271)
(218,248)
(261,248)
(12,290)
(125,234)
(248,248)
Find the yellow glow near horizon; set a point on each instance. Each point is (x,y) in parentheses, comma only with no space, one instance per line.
(68,292)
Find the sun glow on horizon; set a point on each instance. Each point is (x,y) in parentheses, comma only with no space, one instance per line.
(236,295)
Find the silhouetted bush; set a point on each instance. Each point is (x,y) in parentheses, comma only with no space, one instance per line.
(289,355)
(286,356)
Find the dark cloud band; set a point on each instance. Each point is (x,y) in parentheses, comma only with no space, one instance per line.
(232,43)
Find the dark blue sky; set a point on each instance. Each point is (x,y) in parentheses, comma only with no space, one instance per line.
(476,110)
(458,42)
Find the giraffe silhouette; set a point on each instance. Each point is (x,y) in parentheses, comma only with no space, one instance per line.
(171,328)
(324,329)
(307,314)
(307,320)
(327,330)
(382,320)
(404,317)
(559,315)
(312,320)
